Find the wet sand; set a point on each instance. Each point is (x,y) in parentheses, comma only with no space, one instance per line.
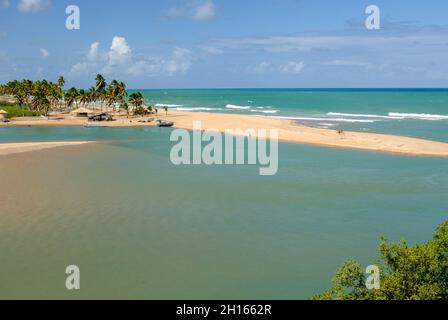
(12,148)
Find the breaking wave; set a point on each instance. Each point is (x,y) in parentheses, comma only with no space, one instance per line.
(419,116)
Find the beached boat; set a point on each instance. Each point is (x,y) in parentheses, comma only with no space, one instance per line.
(95,125)
(146,120)
(166,124)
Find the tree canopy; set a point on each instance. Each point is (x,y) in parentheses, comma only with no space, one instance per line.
(418,272)
(44,96)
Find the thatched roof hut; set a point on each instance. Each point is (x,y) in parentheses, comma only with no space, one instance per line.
(82,112)
(3,114)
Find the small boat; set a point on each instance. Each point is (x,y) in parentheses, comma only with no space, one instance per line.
(165,124)
(146,120)
(95,125)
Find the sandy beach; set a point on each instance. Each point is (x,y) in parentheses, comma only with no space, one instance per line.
(289,131)
(12,148)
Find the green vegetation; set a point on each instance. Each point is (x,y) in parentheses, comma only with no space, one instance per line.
(136,99)
(15,111)
(42,97)
(407,272)
(137,102)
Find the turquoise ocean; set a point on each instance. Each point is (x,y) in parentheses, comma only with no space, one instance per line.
(139,227)
(419,113)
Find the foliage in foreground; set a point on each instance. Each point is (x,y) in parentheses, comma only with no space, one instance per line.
(417,272)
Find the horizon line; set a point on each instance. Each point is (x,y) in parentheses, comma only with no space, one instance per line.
(298,88)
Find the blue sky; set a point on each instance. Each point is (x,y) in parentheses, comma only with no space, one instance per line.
(227,43)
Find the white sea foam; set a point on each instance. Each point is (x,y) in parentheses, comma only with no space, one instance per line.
(266,107)
(419,116)
(266,111)
(326,124)
(197,109)
(327,119)
(361,115)
(394,116)
(232,106)
(162,105)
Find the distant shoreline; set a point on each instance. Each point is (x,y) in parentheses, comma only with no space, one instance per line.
(289,131)
(300,89)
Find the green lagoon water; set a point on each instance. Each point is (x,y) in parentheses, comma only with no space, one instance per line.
(140,227)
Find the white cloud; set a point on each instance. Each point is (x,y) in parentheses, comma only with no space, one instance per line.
(198,10)
(5,3)
(205,11)
(120,47)
(44,53)
(92,55)
(179,62)
(293,67)
(32,5)
(306,42)
(120,54)
(211,50)
(92,62)
(348,63)
(83,68)
(261,68)
(267,67)
(119,60)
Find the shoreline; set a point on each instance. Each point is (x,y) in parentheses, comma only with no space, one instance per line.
(289,131)
(22,147)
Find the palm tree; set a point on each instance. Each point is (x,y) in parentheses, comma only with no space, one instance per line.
(166,110)
(60,85)
(110,96)
(92,95)
(122,92)
(20,93)
(70,97)
(136,100)
(20,90)
(40,101)
(28,87)
(100,82)
(83,97)
(61,82)
(100,88)
(113,93)
(43,95)
(53,93)
(125,106)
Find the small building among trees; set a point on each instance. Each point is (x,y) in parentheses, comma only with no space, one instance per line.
(101,117)
(82,113)
(3,114)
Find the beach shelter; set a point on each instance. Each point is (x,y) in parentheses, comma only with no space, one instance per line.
(82,112)
(3,114)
